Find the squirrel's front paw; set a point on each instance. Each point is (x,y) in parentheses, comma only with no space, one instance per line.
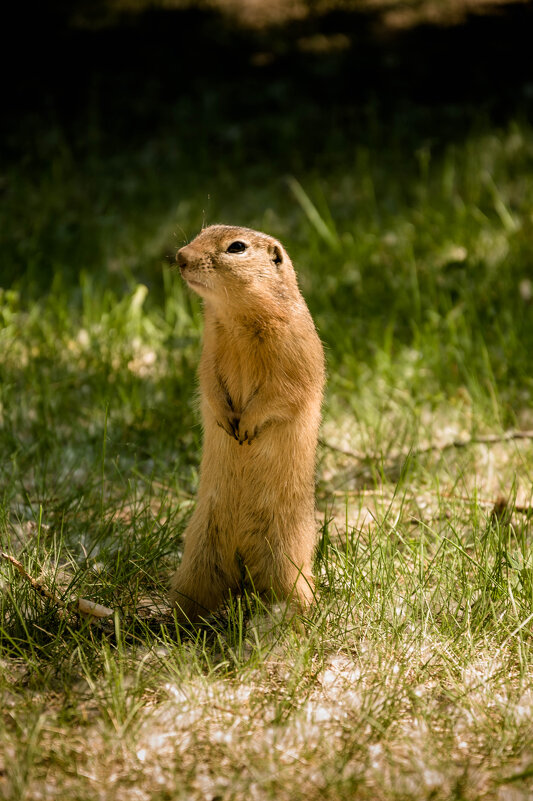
(230,424)
(247,434)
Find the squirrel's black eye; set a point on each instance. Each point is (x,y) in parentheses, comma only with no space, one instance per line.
(236,247)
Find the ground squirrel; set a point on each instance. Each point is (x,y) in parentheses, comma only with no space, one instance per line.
(261,381)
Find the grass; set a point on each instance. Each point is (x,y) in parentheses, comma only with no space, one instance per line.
(412,676)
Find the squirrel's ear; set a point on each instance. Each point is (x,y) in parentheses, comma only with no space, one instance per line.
(276,254)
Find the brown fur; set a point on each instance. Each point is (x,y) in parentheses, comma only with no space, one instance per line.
(261,381)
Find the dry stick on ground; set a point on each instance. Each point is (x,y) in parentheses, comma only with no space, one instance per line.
(498,505)
(81,605)
(487,439)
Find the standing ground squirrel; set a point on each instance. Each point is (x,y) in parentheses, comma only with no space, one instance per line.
(261,382)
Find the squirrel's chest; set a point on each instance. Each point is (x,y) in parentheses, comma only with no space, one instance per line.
(241,368)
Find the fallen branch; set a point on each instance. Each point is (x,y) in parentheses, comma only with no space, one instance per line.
(488,439)
(81,605)
(499,505)
(360,457)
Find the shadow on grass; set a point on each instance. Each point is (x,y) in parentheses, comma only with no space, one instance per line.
(189,114)
(133,68)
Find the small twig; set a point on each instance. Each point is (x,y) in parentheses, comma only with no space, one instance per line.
(488,439)
(498,505)
(223,709)
(351,454)
(92,608)
(81,605)
(37,586)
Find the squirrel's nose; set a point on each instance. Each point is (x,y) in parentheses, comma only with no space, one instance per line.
(181,258)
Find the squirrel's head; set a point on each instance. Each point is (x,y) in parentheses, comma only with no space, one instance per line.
(226,264)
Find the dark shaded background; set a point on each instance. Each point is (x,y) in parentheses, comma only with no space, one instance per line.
(77,60)
(232,93)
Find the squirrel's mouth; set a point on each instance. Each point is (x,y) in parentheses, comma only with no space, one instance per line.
(193,278)
(199,286)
